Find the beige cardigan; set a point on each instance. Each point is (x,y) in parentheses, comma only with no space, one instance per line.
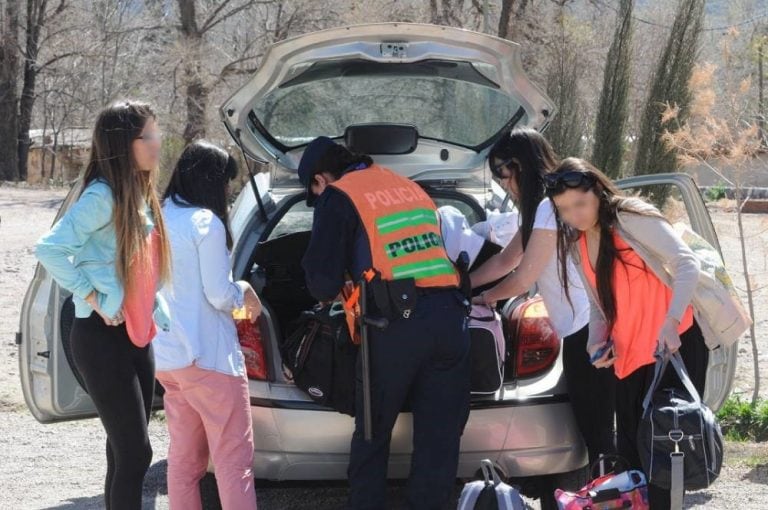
(673,262)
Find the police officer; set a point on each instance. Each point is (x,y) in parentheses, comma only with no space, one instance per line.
(367,216)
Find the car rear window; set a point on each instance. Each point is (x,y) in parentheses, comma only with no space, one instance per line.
(447,101)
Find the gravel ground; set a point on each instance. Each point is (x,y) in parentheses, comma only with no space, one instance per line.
(61,466)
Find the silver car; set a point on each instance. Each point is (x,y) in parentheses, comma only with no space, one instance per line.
(460,90)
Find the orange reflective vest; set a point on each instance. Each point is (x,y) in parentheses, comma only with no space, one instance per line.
(402,226)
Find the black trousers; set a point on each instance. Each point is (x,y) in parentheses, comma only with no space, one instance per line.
(631,391)
(593,395)
(422,361)
(120,379)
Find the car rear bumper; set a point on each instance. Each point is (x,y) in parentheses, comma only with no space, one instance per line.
(294,440)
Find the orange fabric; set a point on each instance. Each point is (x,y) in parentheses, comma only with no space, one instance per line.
(139,302)
(642,302)
(409,247)
(350,299)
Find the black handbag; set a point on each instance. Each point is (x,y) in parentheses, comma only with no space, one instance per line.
(679,440)
(321,358)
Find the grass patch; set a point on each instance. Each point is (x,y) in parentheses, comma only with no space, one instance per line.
(715,193)
(756,461)
(157,416)
(742,421)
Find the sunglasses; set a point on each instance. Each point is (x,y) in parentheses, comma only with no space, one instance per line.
(567,180)
(497,170)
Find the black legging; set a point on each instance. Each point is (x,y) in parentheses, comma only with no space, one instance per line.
(592,392)
(120,378)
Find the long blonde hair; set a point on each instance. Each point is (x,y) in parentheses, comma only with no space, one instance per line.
(117,126)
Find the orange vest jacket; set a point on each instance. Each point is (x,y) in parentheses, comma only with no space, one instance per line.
(402,226)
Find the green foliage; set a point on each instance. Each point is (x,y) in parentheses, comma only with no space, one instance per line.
(715,193)
(743,421)
(568,128)
(610,125)
(670,87)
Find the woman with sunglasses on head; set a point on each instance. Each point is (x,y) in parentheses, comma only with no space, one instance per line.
(519,163)
(110,249)
(199,361)
(640,277)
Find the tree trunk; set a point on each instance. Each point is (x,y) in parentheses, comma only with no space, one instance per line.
(761,89)
(54,149)
(504,17)
(9,71)
(434,13)
(195,89)
(197,102)
(35,19)
(42,137)
(740,200)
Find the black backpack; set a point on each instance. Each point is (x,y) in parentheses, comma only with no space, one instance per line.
(321,357)
(679,440)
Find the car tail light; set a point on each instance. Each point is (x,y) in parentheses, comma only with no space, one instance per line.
(534,342)
(249,335)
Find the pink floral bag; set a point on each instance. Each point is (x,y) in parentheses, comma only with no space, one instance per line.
(626,489)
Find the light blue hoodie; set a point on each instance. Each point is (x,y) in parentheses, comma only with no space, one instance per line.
(80,253)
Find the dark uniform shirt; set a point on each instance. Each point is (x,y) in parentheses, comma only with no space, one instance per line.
(338,245)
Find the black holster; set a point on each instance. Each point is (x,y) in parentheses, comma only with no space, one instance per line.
(395,299)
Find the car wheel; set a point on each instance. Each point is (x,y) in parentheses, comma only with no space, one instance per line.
(209,492)
(571,481)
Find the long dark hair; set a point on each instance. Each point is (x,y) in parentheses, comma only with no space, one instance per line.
(117,127)
(200,180)
(536,158)
(611,202)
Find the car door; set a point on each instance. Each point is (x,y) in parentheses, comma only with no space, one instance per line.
(51,388)
(678,197)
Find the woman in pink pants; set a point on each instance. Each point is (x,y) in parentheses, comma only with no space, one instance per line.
(199,362)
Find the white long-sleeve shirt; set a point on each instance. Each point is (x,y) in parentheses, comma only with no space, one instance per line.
(201,295)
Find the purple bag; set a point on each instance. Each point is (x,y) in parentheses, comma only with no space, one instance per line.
(487,350)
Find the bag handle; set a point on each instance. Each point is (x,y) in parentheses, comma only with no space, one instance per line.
(617,460)
(662,360)
(682,373)
(488,318)
(489,473)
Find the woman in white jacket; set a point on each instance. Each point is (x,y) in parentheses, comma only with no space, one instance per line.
(199,361)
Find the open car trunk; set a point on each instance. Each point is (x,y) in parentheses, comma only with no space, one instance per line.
(280,281)
(277,275)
